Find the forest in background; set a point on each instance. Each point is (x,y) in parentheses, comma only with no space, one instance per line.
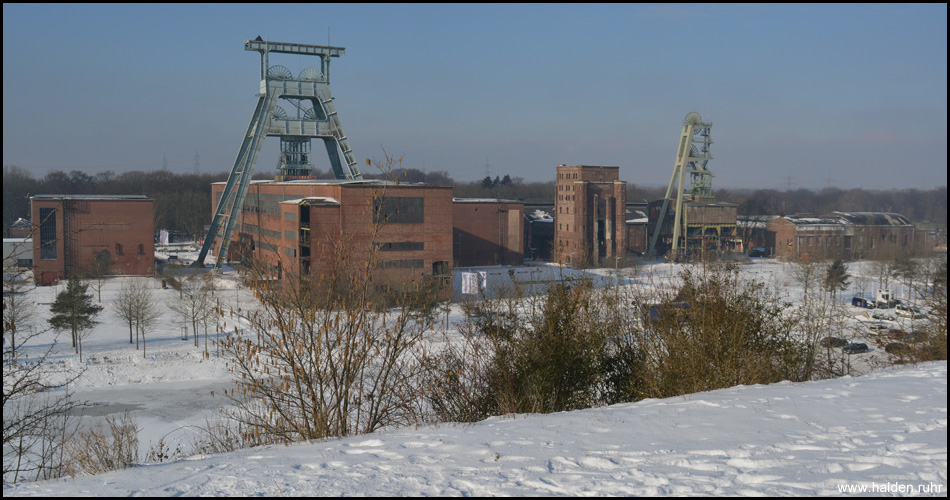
(183,201)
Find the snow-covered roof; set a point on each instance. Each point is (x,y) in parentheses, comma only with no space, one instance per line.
(639,217)
(484,200)
(539,216)
(314,200)
(874,218)
(755,221)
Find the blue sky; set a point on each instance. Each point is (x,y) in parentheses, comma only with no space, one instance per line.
(799,95)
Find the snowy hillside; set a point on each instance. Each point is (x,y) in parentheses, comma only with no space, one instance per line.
(886,429)
(883,432)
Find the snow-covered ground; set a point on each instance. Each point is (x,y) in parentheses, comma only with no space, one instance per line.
(885,431)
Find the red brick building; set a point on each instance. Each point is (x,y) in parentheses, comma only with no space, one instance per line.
(296,226)
(848,235)
(72,231)
(488,232)
(590,213)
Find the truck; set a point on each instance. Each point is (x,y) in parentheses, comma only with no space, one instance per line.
(862,302)
(885,299)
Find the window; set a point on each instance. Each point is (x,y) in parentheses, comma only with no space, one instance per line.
(267,246)
(290,234)
(401,264)
(399,209)
(48,233)
(291,252)
(401,246)
(290,216)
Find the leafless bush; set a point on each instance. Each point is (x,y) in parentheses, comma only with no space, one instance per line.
(38,409)
(318,359)
(102,449)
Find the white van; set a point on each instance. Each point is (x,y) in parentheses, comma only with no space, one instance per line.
(908,311)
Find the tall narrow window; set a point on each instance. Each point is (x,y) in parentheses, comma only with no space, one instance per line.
(48,233)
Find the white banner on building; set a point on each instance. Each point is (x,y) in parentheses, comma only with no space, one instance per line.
(163,237)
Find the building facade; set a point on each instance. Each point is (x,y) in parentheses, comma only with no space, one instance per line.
(707,227)
(488,232)
(848,235)
(309,227)
(73,231)
(590,214)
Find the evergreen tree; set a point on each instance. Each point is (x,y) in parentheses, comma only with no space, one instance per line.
(837,278)
(73,310)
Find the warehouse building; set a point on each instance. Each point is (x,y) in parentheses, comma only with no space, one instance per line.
(308,227)
(848,235)
(79,232)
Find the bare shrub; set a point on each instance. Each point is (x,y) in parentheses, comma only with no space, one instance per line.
(717,330)
(102,449)
(318,359)
(38,408)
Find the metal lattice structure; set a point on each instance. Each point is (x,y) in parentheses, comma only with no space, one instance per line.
(692,159)
(315,117)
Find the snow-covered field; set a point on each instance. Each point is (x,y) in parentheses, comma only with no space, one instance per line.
(885,431)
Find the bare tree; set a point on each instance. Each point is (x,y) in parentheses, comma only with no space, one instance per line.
(18,309)
(194,303)
(37,413)
(146,312)
(97,271)
(124,306)
(817,318)
(318,359)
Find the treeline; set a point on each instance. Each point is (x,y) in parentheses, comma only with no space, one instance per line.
(183,201)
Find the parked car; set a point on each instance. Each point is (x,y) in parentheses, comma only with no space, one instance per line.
(895,334)
(833,342)
(895,348)
(855,348)
(909,311)
(877,327)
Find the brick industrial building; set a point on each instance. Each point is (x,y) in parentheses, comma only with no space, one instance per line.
(488,232)
(298,226)
(852,235)
(590,214)
(74,230)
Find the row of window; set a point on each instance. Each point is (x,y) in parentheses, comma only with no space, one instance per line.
(266,246)
(401,264)
(399,209)
(401,246)
(247,228)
